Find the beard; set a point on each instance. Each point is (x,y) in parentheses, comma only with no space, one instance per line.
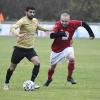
(30,17)
(64,25)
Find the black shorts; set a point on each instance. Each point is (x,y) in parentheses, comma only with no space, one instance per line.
(20,53)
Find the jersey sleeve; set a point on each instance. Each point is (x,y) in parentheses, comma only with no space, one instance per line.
(17,25)
(40,27)
(77,23)
(56,27)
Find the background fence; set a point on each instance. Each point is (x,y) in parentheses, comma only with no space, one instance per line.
(79,33)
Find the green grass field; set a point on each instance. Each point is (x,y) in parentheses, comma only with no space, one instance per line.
(87,72)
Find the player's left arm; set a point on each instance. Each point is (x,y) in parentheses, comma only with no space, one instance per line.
(42,28)
(87,27)
(39,27)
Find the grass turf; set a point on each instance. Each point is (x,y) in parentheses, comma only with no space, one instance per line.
(87,72)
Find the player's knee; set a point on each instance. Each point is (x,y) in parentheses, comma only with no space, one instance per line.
(35,61)
(13,67)
(72,60)
(53,66)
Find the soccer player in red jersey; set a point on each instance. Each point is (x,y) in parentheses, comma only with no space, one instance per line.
(62,34)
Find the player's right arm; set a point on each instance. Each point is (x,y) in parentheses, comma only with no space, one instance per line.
(15,27)
(57,35)
(56,32)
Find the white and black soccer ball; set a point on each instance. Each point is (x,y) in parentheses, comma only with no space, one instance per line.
(28,85)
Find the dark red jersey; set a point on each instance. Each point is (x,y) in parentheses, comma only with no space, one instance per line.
(59,44)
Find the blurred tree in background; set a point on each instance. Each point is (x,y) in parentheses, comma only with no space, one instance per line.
(48,10)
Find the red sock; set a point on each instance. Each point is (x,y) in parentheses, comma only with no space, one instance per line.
(50,73)
(70,69)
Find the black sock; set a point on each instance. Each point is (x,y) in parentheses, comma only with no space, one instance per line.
(8,75)
(35,72)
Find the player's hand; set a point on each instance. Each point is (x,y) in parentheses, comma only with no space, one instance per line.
(92,37)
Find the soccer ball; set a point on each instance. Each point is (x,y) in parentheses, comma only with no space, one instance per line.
(28,85)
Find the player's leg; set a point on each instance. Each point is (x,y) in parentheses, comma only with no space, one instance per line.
(8,75)
(10,72)
(71,65)
(33,57)
(35,60)
(55,58)
(17,56)
(50,75)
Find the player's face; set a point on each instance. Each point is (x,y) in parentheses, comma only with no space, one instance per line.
(64,20)
(30,14)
